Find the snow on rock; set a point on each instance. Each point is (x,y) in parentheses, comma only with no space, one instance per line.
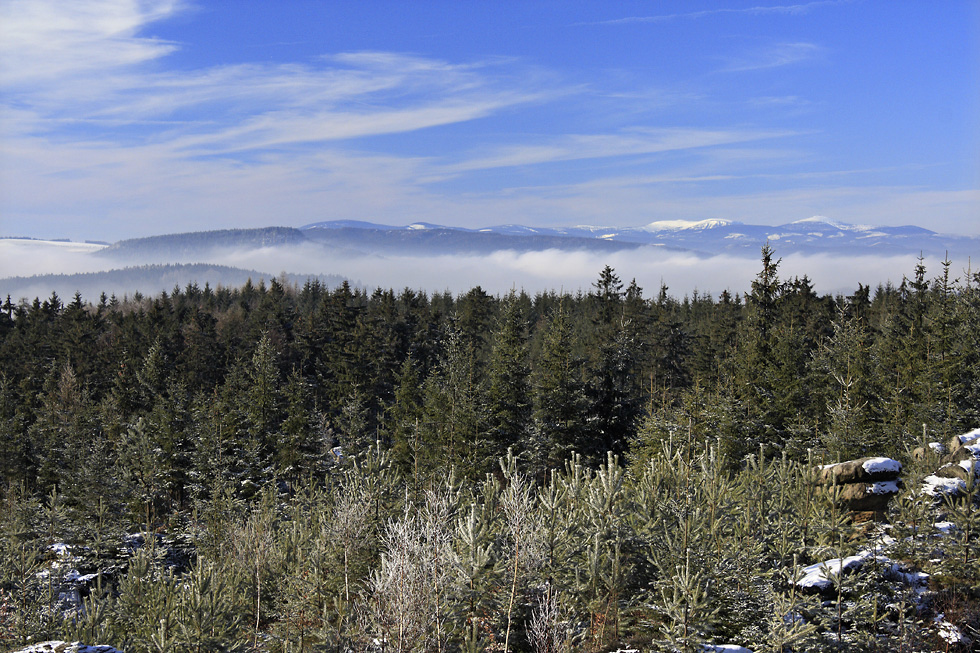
(882,465)
(973,437)
(818,576)
(935,486)
(862,485)
(862,470)
(960,460)
(65,647)
(883,487)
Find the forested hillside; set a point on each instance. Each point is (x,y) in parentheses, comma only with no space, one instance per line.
(313,468)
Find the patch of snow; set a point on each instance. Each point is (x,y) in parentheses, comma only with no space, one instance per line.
(60,245)
(972,436)
(910,578)
(875,465)
(884,487)
(843,226)
(417,226)
(818,575)
(936,485)
(944,527)
(612,235)
(970,466)
(938,447)
(76,577)
(65,647)
(721,648)
(735,236)
(949,632)
(679,225)
(60,549)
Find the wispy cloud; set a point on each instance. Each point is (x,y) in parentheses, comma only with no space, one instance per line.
(45,41)
(593,146)
(774,56)
(100,138)
(795,9)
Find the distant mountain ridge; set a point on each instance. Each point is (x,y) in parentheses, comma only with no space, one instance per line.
(705,237)
(182,247)
(816,235)
(147,279)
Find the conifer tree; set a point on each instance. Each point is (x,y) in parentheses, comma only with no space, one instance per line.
(559,396)
(509,392)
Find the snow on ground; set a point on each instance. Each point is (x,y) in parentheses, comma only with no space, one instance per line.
(725,648)
(66,647)
(950,633)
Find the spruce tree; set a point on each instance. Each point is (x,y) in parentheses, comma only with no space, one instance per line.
(559,395)
(509,392)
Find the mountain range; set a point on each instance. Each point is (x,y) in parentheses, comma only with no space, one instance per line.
(356,249)
(704,238)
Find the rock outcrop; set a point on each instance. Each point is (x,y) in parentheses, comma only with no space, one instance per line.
(958,460)
(866,484)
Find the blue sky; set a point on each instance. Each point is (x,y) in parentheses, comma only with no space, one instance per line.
(124,118)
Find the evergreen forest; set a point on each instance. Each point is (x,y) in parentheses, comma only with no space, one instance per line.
(276,467)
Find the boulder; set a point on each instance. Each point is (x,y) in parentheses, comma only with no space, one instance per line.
(862,470)
(869,497)
(955,470)
(863,486)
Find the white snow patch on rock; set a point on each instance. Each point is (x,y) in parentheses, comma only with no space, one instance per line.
(971,437)
(936,485)
(883,487)
(818,575)
(882,465)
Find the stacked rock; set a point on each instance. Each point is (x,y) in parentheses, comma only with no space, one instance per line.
(958,459)
(867,484)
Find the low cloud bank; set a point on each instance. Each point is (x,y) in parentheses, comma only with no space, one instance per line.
(572,271)
(498,272)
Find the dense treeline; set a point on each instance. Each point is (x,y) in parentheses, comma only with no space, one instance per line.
(340,464)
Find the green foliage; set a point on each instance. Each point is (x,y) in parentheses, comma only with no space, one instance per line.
(330,469)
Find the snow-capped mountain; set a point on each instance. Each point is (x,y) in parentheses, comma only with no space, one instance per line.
(706,237)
